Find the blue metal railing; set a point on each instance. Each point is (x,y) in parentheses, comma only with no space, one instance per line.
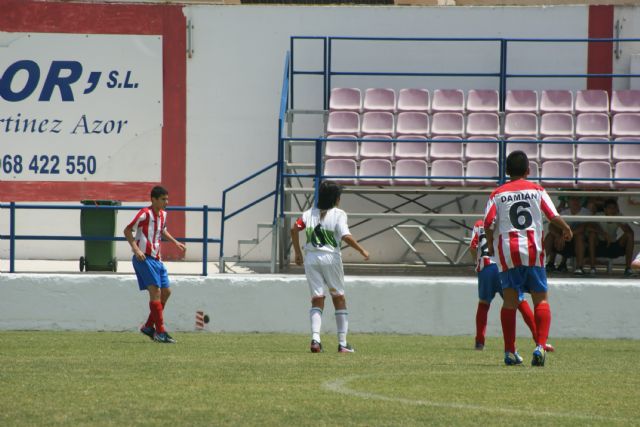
(502,177)
(13,236)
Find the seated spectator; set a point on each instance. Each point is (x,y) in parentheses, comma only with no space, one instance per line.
(606,242)
(636,263)
(554,243)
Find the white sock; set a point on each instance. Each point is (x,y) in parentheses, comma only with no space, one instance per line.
(342,325)
(316,322)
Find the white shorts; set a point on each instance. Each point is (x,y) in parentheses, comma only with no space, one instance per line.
(324,268)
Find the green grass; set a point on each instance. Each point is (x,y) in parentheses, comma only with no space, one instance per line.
(75,378)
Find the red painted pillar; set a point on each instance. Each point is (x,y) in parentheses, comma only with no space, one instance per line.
(600,54)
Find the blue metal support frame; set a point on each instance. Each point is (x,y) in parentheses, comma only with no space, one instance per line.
(12,237)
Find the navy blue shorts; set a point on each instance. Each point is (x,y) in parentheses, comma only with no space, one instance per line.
(525,279)
(150,272)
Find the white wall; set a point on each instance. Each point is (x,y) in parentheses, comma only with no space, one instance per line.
(234,81)
(277,303)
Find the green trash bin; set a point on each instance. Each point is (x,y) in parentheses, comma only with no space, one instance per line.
(99,255)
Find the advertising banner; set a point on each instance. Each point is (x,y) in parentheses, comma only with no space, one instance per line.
(80,107)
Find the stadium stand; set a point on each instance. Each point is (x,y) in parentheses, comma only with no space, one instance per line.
(451,129)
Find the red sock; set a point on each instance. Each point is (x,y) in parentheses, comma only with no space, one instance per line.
(527,315)
(481,322)
(150,319)
(543,322)
(156,313)
(508,319)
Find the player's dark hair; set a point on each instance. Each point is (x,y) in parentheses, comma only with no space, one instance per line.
(611,202)
(158,191)
(517,163)
(328,194)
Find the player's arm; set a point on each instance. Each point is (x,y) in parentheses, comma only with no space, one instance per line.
(559,222)
(474,253)
(295,240)
(128,234)
(169,237)
(349,240)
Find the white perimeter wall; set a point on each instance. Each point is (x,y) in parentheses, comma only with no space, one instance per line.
(234,81)
(277,303)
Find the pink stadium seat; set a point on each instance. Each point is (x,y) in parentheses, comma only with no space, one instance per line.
(378,123)
(412,150)
(625,101)
(521,124)
(626,124)
(414,100)
(446,147)
(445,124)
(448,100)
(483,124)
(556,124)
(592,101)
(593,151)
(627,170)
(594,169)
(592,124)
(341,167)
(376,149)
(558,169)
(533,171)
(342,149)
(482,168)
(481,100)
(521,101)
(343,123)
(532,149)
(378,99)
(551,151)
(626,152)
(375,167)
(556,101)
(448,168)
(482,150)
(345,99)
(411,167)
(412,123)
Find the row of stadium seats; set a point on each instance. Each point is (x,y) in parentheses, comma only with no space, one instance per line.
(483,124)
(482,100)
(454,147)
(479,173)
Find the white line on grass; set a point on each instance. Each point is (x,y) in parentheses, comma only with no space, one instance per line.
(340,385)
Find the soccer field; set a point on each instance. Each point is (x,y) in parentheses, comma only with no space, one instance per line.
(79,378)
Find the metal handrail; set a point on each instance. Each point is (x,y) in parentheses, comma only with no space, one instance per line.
(13,237)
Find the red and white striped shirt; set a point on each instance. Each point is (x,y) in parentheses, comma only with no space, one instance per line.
(516,209)
(148,228)
(479,242)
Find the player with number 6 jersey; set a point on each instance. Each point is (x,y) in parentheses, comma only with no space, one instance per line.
(514,213)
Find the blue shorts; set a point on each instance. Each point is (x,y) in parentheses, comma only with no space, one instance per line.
(150,272)
(525,279)
(489,284)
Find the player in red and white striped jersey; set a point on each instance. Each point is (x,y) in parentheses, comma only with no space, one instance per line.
(489,285)
(150,225)
(514,214)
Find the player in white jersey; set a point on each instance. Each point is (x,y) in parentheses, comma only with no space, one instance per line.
(325,227)
(150,225)
(489,285)
(514,215)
